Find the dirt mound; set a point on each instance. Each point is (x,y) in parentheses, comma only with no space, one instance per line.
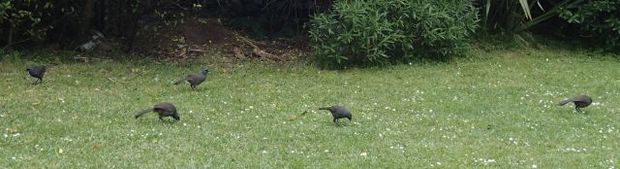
(207,31)
(194,36)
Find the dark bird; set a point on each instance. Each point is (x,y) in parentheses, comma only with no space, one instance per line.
(580,101)
(163,109)
(194,79)
(338,112)
(37,72)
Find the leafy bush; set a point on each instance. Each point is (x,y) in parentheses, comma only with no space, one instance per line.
(21,20)
(599,19)
(386,31)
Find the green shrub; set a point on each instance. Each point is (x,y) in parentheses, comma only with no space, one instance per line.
(374,32)
(599,19)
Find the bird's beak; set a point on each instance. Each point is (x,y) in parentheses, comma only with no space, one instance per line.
(324,108)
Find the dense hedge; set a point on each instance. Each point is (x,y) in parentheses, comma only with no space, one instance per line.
(599,19)
(372,32)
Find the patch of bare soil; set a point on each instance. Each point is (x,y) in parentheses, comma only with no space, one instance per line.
(196,35)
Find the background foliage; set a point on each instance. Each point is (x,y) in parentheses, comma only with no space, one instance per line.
(342,32)
(386,31)
(594,21)
(67,22)
(599,20)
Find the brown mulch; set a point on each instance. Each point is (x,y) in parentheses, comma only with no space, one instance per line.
(197,35)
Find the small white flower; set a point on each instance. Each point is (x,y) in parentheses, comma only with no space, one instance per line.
(364,154)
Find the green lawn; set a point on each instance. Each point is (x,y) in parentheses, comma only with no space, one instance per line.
(494,109)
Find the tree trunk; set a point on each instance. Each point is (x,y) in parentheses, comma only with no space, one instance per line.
(87,15)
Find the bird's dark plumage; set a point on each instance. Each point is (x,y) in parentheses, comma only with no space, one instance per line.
(37,72)
(194,79)
(163,109)
(338,112)
(580,101)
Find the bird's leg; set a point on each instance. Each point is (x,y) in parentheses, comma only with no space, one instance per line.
(161,118)
(578,110)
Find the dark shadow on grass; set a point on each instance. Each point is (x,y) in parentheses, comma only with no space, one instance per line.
(339,125)
(156,121)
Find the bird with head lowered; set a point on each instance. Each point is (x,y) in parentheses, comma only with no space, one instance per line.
(580,102)
(338,112)
(37,72)
(163,110)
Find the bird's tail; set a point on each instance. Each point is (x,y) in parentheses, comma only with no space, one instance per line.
(324,108)
(563,102)
(179,81)
(140,113)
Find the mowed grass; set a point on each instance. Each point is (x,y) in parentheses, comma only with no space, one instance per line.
(494,109)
